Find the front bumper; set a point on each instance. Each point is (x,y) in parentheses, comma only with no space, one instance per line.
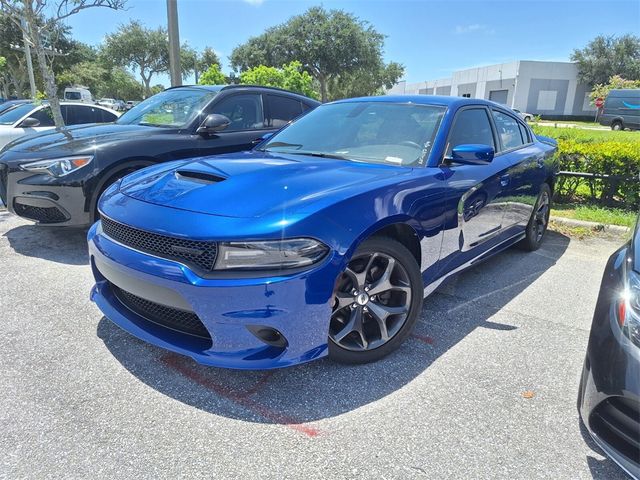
(42,198)
(298,306)
(609,396)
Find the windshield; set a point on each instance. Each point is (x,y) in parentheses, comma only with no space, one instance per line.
(171,108)
(12,115)
(72,95)
(372,132)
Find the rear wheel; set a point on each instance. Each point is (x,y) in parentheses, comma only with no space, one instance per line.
(377,302)
(539,221)
(617,125)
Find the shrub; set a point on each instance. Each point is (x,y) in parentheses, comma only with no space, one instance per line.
(599,152)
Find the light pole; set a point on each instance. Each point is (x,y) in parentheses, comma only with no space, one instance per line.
(174,43)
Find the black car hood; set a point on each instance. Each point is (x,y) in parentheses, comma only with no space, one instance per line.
(81,138)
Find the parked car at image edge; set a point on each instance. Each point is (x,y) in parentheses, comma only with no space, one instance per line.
(527,117)
(609,395)
(621,109)
(32,118)
(6,105)
(56,178)
(325,238)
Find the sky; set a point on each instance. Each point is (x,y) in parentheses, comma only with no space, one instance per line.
(430,38)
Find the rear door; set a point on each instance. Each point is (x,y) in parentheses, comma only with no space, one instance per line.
(525,172)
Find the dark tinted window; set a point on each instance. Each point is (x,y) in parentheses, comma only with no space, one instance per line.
(80,114)
(244,111)
(282,110)
(508,130)
(471,126)
(45,116)
(105,116)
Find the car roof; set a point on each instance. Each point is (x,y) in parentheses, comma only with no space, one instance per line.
(219,88)
(439,100)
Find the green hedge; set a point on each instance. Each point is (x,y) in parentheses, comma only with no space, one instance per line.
(601,152)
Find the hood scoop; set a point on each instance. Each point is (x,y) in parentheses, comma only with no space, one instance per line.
(198,177)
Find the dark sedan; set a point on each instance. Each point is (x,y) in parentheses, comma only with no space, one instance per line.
(57,177)
(609,397)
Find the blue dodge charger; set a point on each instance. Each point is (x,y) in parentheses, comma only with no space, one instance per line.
(325,238)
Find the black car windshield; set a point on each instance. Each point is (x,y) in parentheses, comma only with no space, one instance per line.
(174,108)
(372,132)
(13,114)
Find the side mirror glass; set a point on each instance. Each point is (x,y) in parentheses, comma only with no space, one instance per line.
(30,122)
(472,154)
(213,123)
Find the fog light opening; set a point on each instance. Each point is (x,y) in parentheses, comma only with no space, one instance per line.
(269,335)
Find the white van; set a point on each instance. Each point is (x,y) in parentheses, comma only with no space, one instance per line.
(78,94)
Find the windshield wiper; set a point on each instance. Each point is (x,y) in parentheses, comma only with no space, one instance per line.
(280,144)
(317,154)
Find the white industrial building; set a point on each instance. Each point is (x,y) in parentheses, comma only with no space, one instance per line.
(549,89)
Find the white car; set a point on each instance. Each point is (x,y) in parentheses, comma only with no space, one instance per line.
(107,102)
(527,117)
(31,118)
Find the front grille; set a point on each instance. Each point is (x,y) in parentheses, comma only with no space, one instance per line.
(4,175)
(173,318)
(40,214)
(200,254)
(617,422)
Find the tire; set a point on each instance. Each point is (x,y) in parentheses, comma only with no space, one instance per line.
(539,221)
(617,125)
(382,277)
(528,119)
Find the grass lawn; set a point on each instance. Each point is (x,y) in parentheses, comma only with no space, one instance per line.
(590,213)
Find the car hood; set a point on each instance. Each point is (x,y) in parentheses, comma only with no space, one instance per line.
(81,138)
(254,184)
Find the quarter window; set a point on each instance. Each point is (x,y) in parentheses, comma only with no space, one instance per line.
(471,126)
(508,130)
(244,111)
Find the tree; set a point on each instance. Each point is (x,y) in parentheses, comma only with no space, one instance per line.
(39,21)
(601,90)
(139,48)
(290,77)
(213,76)
(328,44)
(204,60)
(604,57)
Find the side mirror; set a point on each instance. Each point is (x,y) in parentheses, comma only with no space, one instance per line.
(472,154)
(30,122)
(213,123)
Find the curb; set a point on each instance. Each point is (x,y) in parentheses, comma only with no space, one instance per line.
(571,222)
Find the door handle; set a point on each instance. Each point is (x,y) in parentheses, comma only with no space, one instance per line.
(505,180)
(255,141)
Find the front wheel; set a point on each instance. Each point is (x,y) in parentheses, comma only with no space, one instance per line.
(376,303)
(539,221)
(617,126)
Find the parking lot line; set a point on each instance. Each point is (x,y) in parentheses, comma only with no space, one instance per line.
(239,398)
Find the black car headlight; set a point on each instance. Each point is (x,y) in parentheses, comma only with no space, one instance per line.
(629,309)
(58,167)
(270,255)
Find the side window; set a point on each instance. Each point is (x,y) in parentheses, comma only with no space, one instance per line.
(282,110)
(244,111)
(508,130)
(471,126)
(525,133)
(45,116)
(102,116)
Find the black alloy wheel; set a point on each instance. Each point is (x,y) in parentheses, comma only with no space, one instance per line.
(539,220)
(376,303)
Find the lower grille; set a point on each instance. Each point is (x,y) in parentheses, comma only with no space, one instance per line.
(195,253)
(4,174)
(173,318)
(617,422)
(39,214)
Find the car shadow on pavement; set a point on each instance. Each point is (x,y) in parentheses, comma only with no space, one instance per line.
(58,244)
(321,389)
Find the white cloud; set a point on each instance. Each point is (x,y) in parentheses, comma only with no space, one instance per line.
(254,2)
(473,28)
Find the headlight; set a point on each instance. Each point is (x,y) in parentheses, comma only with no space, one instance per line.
(270,255)
(629,309)
(58,167)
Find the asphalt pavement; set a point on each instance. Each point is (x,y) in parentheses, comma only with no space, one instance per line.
(485,388)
